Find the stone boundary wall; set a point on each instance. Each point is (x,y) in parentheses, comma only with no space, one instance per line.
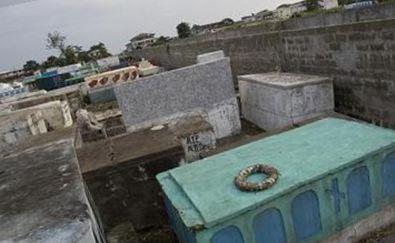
(342,16)
(360,57)
(375,12)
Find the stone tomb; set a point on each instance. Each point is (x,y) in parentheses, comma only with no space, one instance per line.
(15,127)
(278,100)
(43,197)
(120,172)
(57,114)
(70,94)
(205,87)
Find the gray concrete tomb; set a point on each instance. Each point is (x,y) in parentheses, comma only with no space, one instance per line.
(206,88)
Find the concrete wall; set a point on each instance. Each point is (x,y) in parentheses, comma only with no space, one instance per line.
(386,11)
(360,57)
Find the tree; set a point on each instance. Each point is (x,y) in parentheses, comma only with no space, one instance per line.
(71,54)
(229,21)
(183,30)
(56,41)
(53,61)
(99,50)
(160,41)
(31,65)
(68,53)
(312,5)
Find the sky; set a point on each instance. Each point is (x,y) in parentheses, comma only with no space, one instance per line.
(24,26)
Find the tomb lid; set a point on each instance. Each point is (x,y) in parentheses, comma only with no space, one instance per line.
(43,197)
(284,80)
(204,193)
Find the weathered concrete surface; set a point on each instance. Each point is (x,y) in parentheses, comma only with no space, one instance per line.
(120,172)
(358,231)
(205,87)
(276,100)
(112,126)
(110,152)
(23,96)
(102,95)
(375,12)
(120,175)
(15,127)
(129,193)
(196,136)
(70,94)
(359,57)
(174,55)
(209,57)
(56,114)
(43,197)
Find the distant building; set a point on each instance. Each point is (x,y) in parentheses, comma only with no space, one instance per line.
(10,76)
(210,28)
(286,11)
(360,4)
(265,15)
(108,62)
(329,4)
(249,18)
(94,54)
(283,11)
(52,69)
(141,41)
(70,68)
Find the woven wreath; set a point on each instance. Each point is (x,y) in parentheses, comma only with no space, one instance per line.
(243,185)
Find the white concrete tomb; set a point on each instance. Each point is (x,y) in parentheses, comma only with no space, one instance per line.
(278,100)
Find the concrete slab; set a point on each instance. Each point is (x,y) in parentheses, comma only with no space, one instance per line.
(276,100)
(205,87)
(43,197)
(209,57)
(110,152)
